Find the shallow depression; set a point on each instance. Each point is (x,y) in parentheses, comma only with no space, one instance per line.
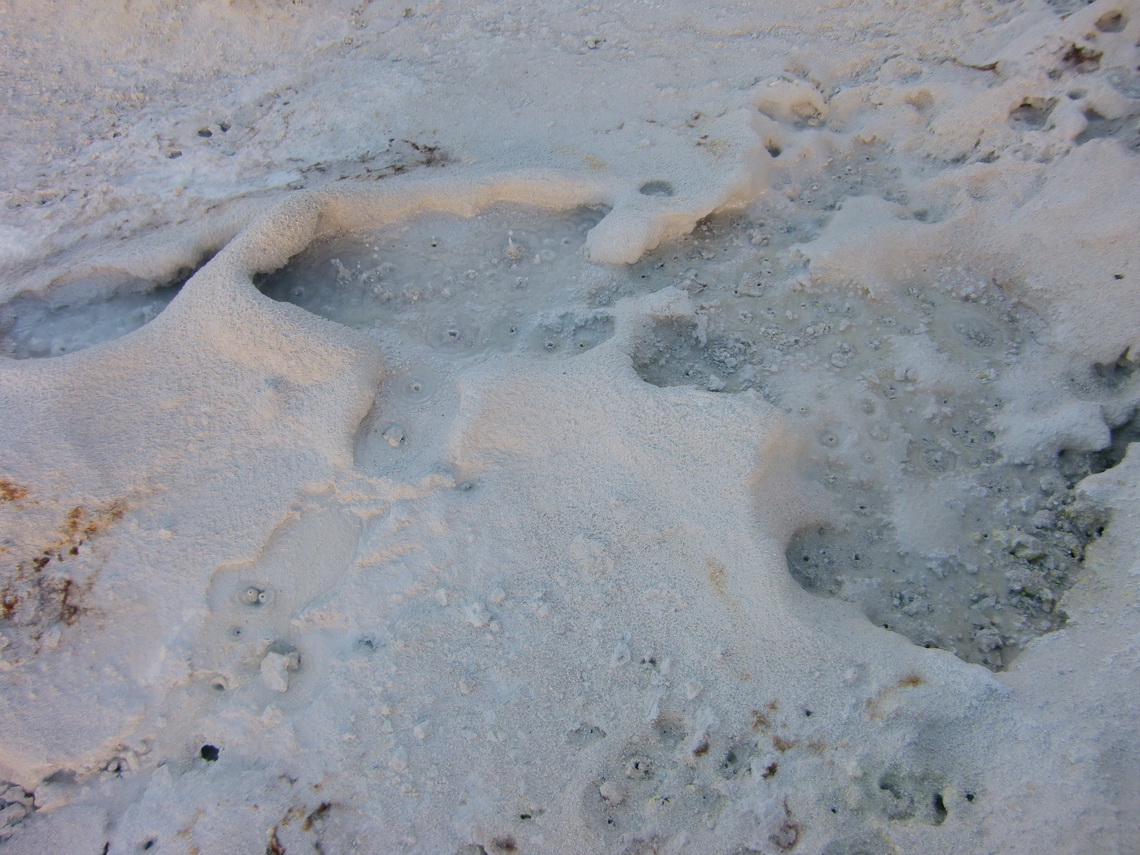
(938,534)
(35,327)
(457,286)
(440,293)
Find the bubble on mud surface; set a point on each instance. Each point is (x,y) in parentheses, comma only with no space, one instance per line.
(505,334)
(414,385)
(968,331)
(454,337)
(570,334)
(256,597)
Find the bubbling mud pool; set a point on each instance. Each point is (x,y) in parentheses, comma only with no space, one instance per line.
(935,533)
(905,404)
(903,401)
(499,282)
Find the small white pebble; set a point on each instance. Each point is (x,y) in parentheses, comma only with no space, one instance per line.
(394,435)
(477,615)
(275,668)
(612,793)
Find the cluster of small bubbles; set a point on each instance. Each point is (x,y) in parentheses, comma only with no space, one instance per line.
(570,333)
(439,293)
(675,774)
(443,279)
(453,336)
(415,386)
(256,597)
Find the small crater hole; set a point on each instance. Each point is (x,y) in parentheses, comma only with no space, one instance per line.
(656,188)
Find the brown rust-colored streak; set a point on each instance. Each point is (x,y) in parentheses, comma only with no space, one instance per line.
(10,491)
(718,576)
(29,585)
(82,525)
(781,744)
(317,813)
(70,602)
(875,703)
